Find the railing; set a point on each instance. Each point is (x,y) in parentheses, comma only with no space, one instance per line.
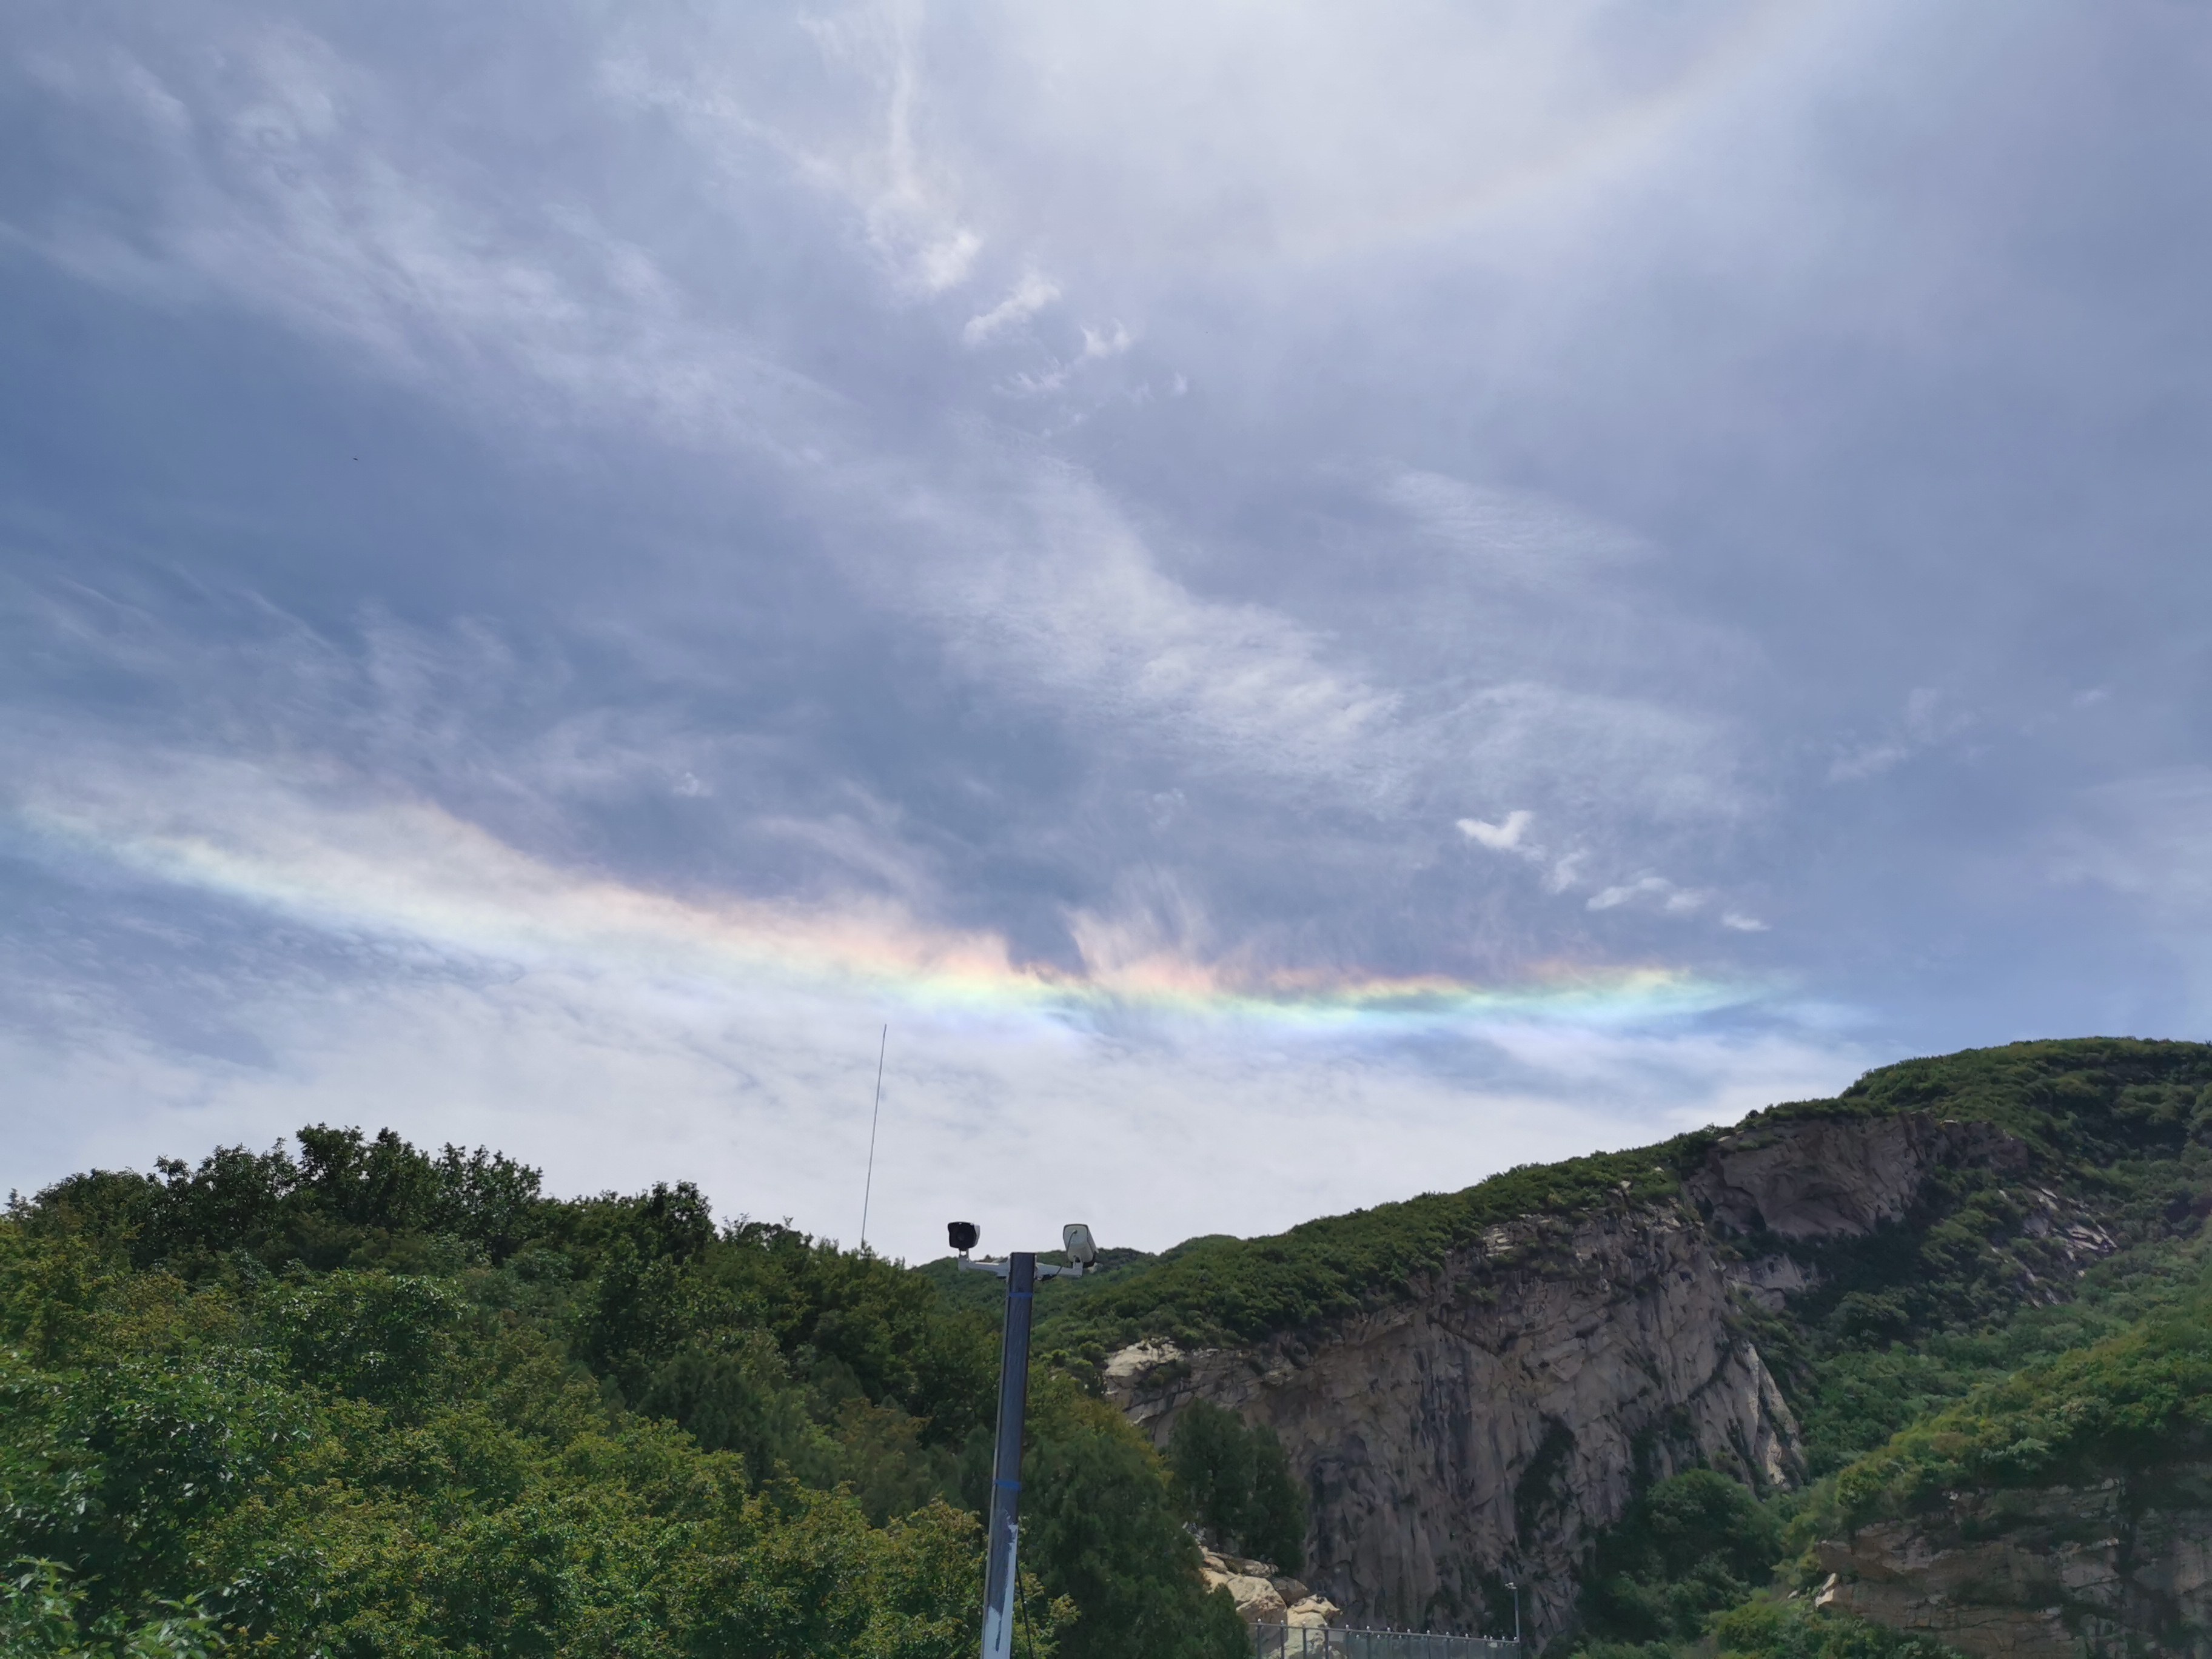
(1322,1641)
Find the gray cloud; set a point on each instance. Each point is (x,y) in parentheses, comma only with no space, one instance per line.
(1526,497)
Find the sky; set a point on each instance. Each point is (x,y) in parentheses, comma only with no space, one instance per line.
(1275,606)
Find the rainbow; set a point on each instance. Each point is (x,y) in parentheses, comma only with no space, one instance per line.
(411,872)
(1761,35)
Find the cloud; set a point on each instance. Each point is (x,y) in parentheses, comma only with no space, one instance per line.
(1504,837)
(1058,587)
(1654,891)
(1927,724)
(1112,341)
(1569,425)
(1514,537)
(1035,570)
(1030,296)
(1562,871)
(2149,836)
(606,1030)
(1036,576)
(767,1107)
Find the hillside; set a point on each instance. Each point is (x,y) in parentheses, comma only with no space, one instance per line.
(1486,1385)
(360,1398)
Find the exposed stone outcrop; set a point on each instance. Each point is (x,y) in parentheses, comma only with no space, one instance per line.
(2045,1574)
(1839,1177)
(1485,1425)
(1770,1281)
(1808,1180)
(1264,1597)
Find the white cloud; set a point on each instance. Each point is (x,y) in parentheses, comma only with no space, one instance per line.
(1654,891)
(1609,756)
(1028,565)
(336,221)
(1870,761)
(1562,871)
(1057,585)
(1504,837)
(765,1102)
(1028,297)
(1109,342)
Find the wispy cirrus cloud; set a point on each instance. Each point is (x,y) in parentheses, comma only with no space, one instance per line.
(1202,527)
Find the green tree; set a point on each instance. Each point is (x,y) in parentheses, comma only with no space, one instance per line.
(376,1336)
(1689,1545)
(1235,1485)
(1100,1526)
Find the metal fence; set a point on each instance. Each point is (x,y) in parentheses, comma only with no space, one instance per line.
(1320,1642)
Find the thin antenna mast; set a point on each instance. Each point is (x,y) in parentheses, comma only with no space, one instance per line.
(868,1191)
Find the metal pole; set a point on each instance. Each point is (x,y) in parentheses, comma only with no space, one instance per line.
(868,1191)
(1515,1588)
(1007,1463)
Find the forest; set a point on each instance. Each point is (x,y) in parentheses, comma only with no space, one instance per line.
(356,1398)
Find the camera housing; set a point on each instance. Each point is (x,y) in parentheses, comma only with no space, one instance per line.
(963,1235)
(1081,1250)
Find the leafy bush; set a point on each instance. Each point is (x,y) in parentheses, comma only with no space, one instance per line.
(38,1620)
(1765,1629)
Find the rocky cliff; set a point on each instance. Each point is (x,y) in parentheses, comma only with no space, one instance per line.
(2049,1573)
(1486,1422)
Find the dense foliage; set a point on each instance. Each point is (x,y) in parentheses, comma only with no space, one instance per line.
(1236,1484)
(1689,1546)
(2131,1404)
(362,1399)
(1764,1628)
(1220,1290)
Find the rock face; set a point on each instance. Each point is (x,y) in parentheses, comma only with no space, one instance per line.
(1822,1178)
(2045,1574)
(1485,1424)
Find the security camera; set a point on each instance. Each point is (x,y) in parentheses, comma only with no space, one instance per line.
(1080,1249)
(963,1235)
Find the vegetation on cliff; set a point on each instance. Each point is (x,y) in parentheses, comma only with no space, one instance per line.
(2131,1404)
